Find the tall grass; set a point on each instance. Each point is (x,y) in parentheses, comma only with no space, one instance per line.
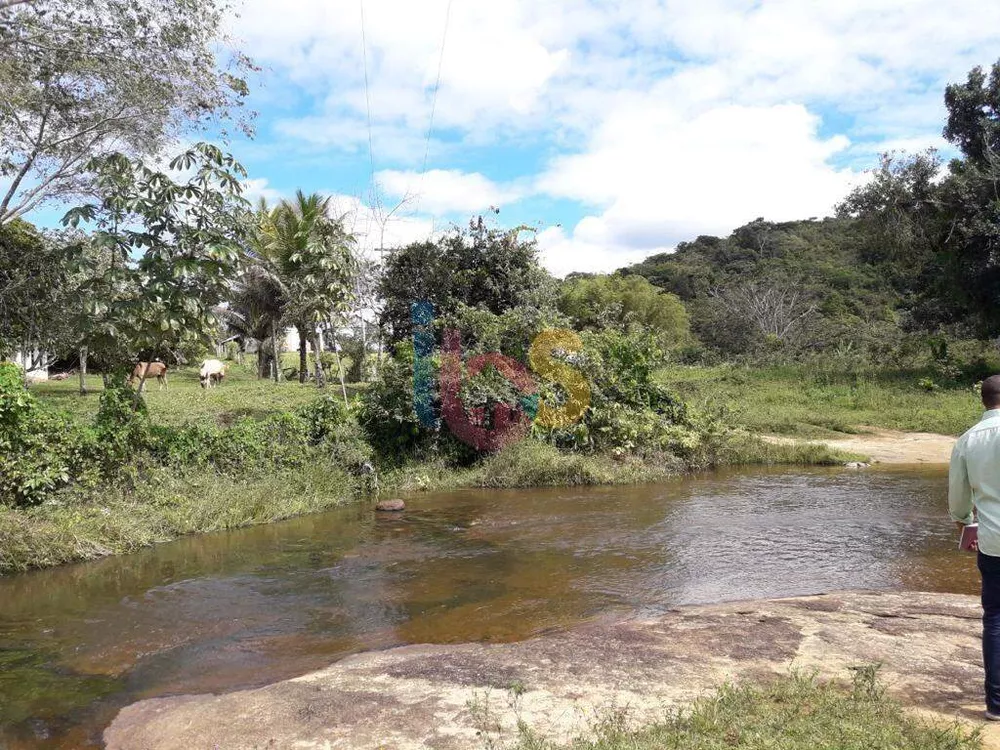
(118,521)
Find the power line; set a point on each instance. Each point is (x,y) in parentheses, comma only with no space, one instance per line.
(368,97)
(373,198)
(434,96)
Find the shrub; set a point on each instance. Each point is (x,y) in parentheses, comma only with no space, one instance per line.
(39,451)
(387,414)
(333,425)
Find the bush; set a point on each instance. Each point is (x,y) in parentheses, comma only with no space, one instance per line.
(42,451)
(334,425)
(629,410)
(387,414)
(39,451)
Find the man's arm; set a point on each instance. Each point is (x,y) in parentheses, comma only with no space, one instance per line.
(959,489)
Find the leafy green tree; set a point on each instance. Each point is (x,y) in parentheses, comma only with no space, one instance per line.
(963,281)
(974,115)
(33,283)
(897,214)
(310,257)
(171,248)
(254,311)
(85,80)
(626,303)
(492,269)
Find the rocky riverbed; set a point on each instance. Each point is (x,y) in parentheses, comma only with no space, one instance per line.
(436,696)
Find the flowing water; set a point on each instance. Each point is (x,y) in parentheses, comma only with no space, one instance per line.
(225,611)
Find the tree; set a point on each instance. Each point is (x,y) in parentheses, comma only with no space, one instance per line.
(171,249)
(974,115)
(627,303)
(776,311)
(255,311)
(963,281)
(310,258)
(29,273)
(897,213)
(492,269)
(85,80)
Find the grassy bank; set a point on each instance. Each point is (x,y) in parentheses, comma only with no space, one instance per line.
(80,526)
(185,402)
(162,502)
(807,402)
(792,713)
(84,525)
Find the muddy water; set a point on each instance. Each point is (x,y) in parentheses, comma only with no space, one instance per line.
(223,611)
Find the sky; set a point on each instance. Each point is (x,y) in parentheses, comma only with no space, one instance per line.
(616,129)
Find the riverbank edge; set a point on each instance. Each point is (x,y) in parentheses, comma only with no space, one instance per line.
(560,684)
(88,525)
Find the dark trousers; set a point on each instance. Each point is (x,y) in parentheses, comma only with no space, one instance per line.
(989,567)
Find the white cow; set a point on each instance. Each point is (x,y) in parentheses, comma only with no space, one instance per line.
(211,374)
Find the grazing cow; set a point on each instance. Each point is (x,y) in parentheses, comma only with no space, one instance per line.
(211,374)
(156,370)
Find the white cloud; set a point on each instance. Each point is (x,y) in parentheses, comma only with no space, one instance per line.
(446,192)
(663,118)
(661,178)
(587,249)
(376,227)
(257,188)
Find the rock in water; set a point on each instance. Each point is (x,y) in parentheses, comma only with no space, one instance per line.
(390,506)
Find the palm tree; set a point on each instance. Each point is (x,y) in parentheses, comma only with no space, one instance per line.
(309,259)
(255,311)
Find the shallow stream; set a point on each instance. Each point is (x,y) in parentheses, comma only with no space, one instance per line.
(225,611)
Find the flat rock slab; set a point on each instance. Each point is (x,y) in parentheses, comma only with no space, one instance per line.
(436,696)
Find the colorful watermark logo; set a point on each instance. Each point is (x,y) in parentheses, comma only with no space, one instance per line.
(506,423)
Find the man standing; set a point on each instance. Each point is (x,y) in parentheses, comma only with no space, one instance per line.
(974,485)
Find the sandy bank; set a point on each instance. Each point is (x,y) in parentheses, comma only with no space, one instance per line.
(419,696)
(889,446)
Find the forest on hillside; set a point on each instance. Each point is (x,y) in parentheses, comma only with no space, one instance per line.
(908,267)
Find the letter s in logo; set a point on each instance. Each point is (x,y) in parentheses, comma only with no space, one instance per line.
(577,388)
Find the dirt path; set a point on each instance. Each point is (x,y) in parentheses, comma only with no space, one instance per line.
(436,696)
(889,446)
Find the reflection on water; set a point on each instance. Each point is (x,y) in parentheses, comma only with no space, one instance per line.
(223,611)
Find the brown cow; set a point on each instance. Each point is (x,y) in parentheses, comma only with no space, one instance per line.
(156,370)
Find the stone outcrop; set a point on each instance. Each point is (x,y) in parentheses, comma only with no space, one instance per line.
(435,696)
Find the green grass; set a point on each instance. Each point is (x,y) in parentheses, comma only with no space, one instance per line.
(185,401)
(797,712)
(804,402)
(81,525)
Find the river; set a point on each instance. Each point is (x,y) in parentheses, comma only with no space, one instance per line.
(224,611)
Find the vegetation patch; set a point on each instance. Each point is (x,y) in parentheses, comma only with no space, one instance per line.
(82,525)
(796,712)
(814,402)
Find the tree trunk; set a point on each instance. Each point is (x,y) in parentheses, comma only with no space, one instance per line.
(340,367)
(376,364)
(83,371)
(362,371)
(276,347)
(142,383)
(261,362)
(320,377)
(303,362)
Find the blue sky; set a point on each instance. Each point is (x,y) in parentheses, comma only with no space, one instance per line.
(617,128)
